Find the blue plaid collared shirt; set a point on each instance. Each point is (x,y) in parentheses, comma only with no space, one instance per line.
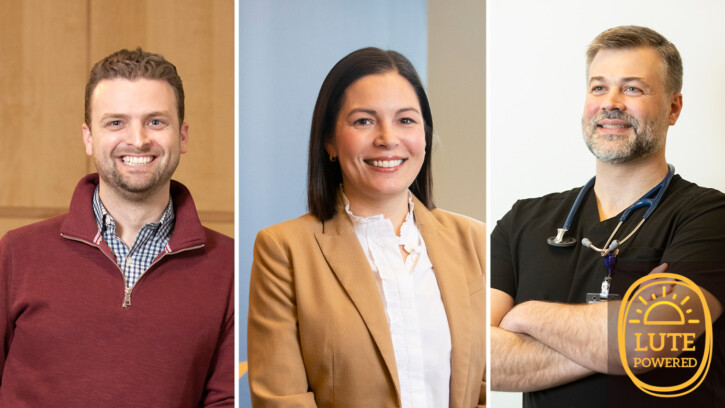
(150,241)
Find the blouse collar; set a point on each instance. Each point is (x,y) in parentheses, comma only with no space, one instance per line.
(378,225)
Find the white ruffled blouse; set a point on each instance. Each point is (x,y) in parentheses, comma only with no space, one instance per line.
(413,304)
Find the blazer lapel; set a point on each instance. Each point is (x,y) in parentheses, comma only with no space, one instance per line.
(341,248)
(444,252)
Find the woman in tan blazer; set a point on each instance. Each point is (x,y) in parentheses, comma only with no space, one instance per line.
(340,315)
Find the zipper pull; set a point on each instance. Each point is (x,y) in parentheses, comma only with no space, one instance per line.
(127,298)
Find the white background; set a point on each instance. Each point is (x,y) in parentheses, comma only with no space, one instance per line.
(536,88)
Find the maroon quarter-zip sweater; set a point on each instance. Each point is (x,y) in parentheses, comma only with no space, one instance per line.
(68,341)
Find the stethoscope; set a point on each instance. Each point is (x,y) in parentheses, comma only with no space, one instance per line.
(610,249)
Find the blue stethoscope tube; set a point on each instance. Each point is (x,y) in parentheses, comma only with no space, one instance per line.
(658,191)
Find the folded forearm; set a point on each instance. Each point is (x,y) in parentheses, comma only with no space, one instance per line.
(520,363)
(579,332)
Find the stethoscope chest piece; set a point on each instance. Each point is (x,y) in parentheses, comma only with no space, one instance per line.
(560,241)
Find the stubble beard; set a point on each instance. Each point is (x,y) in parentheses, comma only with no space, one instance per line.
(125,187)
(644,140)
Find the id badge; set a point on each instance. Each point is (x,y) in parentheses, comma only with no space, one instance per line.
(598,297)
(604,295)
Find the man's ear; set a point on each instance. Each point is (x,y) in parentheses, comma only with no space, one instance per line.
(87,139)
(675,107)
(183,137)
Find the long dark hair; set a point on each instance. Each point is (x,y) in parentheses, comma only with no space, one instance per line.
(324,176)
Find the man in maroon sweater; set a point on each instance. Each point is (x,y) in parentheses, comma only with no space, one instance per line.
(127,300)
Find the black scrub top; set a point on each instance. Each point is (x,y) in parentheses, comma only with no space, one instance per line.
(687,231)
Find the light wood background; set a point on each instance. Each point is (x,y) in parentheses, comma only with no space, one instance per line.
(457,93)
(48,47)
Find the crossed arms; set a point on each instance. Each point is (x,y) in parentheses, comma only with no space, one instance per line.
(538,345)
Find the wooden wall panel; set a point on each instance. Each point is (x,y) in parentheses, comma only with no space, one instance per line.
(42,76)
(225,228)
(10,223)
(48,48)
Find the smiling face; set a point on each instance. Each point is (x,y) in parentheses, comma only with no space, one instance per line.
(135,137)
(379,138)
(628,110)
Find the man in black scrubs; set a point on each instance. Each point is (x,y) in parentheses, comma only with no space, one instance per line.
(546,340)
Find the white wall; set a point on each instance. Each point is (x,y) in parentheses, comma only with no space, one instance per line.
(536,85)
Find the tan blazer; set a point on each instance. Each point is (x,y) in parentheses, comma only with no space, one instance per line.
(318,334)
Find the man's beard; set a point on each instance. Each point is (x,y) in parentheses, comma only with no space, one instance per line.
(647,138)
(126,187)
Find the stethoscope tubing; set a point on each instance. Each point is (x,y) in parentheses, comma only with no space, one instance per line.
(577,203)
(611,245)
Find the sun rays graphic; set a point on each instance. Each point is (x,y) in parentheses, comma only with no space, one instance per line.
(665,301)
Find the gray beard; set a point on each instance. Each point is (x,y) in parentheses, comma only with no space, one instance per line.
(646,140)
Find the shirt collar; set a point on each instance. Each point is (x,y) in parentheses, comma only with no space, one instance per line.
(106,222)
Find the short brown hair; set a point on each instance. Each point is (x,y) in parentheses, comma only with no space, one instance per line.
(635,36)
(324,176)
(131,65)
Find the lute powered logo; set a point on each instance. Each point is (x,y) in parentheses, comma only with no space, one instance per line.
(660,318)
